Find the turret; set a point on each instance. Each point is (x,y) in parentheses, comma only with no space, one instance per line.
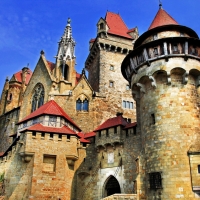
(164,72)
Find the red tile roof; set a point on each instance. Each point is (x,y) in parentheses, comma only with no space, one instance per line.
(90,134)
(82,136)
(78,76)
(162,18)
(18,76)
(116,25)
(116,121)
(131,30)
(47,129)
(130,125)
(49,108)
(51,65)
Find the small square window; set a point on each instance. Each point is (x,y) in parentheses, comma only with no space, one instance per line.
(127,87)
(198,169)
(111,84)
(111,67)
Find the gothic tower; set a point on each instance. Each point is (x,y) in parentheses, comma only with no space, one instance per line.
(65,60)
(164,70)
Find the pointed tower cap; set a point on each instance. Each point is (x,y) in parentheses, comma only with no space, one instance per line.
(162,18)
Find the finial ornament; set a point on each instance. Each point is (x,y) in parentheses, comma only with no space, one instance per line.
(69,21)
(160,4)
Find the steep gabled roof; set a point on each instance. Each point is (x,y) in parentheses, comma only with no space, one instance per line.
(51,65)
(49,108)
(18,76)
(116,121)
(116,25)
(162,18)
(47,129)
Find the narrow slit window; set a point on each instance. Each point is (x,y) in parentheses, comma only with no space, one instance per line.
(198,169)
(153,121)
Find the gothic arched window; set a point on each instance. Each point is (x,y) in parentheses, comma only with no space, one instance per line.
(85,105)
(82,103)
(37,97)
(64,71)
(78,104)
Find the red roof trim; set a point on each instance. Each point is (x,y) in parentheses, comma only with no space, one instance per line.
(63,130)
(116,121)
(130,125)
(90,134)
(49,108)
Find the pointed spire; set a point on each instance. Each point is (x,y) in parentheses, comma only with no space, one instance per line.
(162,18)
(66,48)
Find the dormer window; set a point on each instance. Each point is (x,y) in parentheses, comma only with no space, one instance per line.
(52,120)
(101,25)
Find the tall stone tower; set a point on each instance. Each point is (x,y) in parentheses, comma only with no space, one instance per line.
(113,42)
(164,70)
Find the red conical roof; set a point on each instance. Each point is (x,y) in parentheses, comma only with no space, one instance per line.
(162,18)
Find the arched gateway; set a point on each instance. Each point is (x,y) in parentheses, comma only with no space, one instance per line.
(111,186)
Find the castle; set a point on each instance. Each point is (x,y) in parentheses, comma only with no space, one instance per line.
(128,131)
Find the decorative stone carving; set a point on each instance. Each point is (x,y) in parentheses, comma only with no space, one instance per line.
(71,159)
(26,156)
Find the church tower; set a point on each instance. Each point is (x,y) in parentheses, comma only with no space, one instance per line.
(164,70)
(65,60)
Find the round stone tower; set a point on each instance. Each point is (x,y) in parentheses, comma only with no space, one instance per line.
(164,72)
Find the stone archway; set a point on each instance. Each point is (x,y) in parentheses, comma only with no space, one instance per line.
(111,186)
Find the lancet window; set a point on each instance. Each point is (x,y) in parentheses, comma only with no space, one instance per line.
(82,103)
(38,97)
(64,71)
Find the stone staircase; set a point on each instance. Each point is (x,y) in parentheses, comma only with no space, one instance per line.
(121,197)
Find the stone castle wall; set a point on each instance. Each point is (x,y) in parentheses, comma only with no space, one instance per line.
(169,118)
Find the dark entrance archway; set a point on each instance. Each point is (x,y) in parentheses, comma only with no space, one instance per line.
(112,186)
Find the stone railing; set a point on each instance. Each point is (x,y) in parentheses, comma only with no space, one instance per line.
(121,197)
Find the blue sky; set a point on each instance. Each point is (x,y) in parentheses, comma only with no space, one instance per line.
(29,26)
